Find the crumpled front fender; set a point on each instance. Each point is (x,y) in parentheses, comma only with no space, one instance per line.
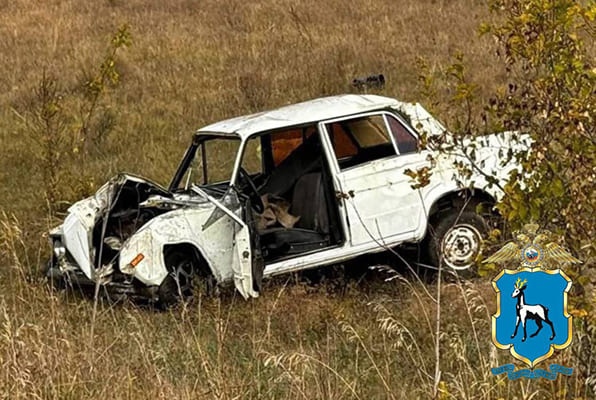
(78,225)
(177,227)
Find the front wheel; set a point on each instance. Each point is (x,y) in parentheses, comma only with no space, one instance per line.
(178,285)
(455,240)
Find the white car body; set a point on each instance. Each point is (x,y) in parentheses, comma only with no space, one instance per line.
(376,205)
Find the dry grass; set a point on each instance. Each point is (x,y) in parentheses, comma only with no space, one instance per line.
(194,62)
(374,341)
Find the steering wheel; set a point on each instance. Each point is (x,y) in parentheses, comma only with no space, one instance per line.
(253,194)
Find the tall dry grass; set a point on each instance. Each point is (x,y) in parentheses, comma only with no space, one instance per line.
(194,62)
(375,340)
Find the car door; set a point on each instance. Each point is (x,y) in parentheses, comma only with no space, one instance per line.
(370,154)
(246,262)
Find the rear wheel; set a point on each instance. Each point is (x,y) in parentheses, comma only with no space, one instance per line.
(455,241)
(178,285)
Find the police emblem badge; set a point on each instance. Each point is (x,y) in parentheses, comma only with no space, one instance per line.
(531,320)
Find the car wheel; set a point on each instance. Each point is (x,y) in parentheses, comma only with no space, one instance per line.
(178,285)
(455,241)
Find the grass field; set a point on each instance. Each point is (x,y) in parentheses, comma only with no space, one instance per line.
(191,63)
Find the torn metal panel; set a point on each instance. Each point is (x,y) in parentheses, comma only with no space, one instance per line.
(78,225)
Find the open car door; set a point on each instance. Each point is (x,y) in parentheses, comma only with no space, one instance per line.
(242,264)
(242,248)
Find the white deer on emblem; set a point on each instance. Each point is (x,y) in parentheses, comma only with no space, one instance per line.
(523,311)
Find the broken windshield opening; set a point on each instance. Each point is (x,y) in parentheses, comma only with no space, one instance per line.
(212,164)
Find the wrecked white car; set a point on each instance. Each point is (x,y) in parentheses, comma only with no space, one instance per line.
(306,185)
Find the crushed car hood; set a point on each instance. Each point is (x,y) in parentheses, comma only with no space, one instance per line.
(80,234)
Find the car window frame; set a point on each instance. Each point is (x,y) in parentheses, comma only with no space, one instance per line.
(409,129)
(327,136)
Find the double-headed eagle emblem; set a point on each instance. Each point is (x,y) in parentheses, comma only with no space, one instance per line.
(533,249)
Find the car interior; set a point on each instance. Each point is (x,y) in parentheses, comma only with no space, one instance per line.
(290,165)
(295,171)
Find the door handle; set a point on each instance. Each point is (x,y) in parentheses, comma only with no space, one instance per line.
(341,195)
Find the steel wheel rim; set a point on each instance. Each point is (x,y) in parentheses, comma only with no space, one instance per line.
(460,246)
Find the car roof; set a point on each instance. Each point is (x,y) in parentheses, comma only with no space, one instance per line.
(302,113)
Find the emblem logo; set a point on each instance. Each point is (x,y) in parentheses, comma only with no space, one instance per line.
(532,319)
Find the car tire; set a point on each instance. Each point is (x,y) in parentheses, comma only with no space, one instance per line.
(455,241)
(178,284)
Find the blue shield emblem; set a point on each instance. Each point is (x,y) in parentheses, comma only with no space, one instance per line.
(531,319)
